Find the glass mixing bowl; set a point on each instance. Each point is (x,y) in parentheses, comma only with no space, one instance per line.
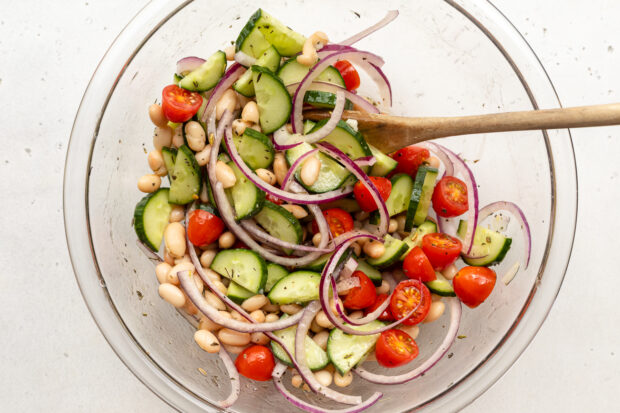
(443,58)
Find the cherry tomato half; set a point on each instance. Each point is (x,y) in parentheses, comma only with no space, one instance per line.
(386,315)
(179,105)
(256,363)
(450,197)
(339,220)
(363,296)
(406,296)
(473,285)
(395,348)
(418,267)
(362,194)
(274,199)
(203,227)
(348,73)
(409,159)
(441,249)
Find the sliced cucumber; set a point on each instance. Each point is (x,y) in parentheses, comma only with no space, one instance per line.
(308,125)
(207,75)
(441,286)
(324,100)
(347,204)
(275,272)
(318,264)
(255,148)
(170,156)
(250,40)
(283,38)
(491,245)
(209,208)
(280,223)
(331,176)
(316,357)
(370,271)
(245,267)
(150,218)
(237,293)
(383,165)
(270,59)
(415,238)
(247,199)
(398,201)
(293,72)
(346,350)
(346,139)
(186,181)
(297,287)
(394,249)
(421,196)
(273,100)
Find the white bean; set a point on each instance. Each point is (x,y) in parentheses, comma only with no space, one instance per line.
(384,288)
(266,175)
(297,381)
(172,276)
(436,311)
(230,53)
(356,315)
(204,195)
(250,112)
(343,381)
(199,284)
(291,309)
(297,211)
(393,226)
(174,238)
(156,163)
(374,249)
(195,135)
(413,331)
(258,316)
(177,137)
(189,307)
(220,287)
(184,258)
(400,221)
(227,102)
(310,170)
(433,162)
(177,214)
(226,240)
(237,316)
(361,216)
(212,275)
(271,308)
(321,339)
(214,301)
(309,55)
(316,239)
(254,303)
(161,271)
(162,137)
(168,258)
(239,126)
(323,321)
(225,175)
(259,338)
(202,157)
(206,258)
(149,183)
(156,113)
(206,324)
(280,168)
(357,249)
(270,318)
(172,294)
(233,338)
(207,341)
(315,328)
(234,349)
(450,271)
(324,377)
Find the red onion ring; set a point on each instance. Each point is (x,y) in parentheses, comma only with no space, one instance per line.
(331,123)
(188,64)
(441,154)
(234,379)
(356,99)
(152,256)
(344,286)
(455,318)
(244,59)
(365,161)
(281,136)
(233,73)
(389,17)
(291,171)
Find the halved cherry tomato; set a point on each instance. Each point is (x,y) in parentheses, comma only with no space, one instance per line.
(339,220)
(395,348)
(348,73)
(441,249)
(203,227)
(362,194)
(363,296)
(474,284)
(418,267)
(256,363)
(409,159)
(274,199)
(406,296)
(179,105)
(386,315)
(450,197)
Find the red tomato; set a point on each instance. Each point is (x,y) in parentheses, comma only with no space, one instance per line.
(339,220)
(395,348)
(450,197)
(362,194)
(406,297)
(418,267)
(348,73)
(474,284)
(179,105)
(409,159)
(204,227)
(363,296)
(386,315)
(274,199)
(256,363)
(441,249)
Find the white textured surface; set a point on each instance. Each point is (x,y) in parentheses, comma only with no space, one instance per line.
(53,356)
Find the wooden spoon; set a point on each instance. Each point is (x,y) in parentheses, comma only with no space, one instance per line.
(390,133)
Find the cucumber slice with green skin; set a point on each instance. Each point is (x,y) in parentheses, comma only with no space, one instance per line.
(324,100)
(176,79)
(331,176)
(318,264)
(345,138)
(394,249)
(370,271)
(421,196)
(247,199)
(441,286)
(150,218)
(255,148)
(415,238)
(186,181)
(209,208)
(316,357)
(346,350)
(398,201)
(207,75)
(297,287)
(170,156)
(284,39)
(273,100)
(491,245)
(245,267)
(250,40)
(383,164)
(270,59)
(308,125)
(347,204)
(280,223)
(275,272)
(292,72)
(237,293)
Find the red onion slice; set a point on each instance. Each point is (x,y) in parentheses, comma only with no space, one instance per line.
(331,123)
(282,140)
(344,286)
(152,256)
(335,47)
(288,178)
(188,64)
(389,17)
(455,318)
(441,154)
(365,161)
(235,383)
(356,99)
(233,73)
(253,229)
(244,59)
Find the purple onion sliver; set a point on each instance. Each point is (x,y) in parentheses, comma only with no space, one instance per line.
(234,379)
(153,256)
(389,17)
(233,73)
(291,171)
(244,59)
(188,64)
(282,135)
(331,124)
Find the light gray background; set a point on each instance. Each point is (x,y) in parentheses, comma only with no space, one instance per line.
(53,357)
